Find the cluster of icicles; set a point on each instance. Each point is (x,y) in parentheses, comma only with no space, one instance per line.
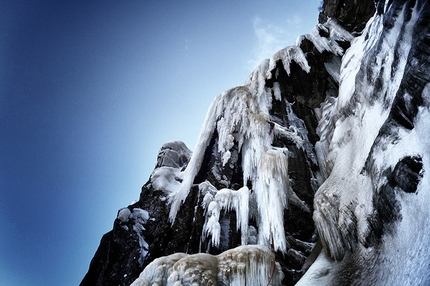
(240,116)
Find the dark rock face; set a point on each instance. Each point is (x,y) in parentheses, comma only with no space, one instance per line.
(116,260)
(407,174)
(120,257)
(352,15)
(145,231)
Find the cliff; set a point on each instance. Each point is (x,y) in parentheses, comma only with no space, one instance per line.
(312,172)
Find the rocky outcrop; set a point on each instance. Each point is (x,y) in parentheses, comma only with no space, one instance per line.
(351,14)
(291,139)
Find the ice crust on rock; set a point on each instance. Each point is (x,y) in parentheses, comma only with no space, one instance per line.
(244,265)
(287,56)
(330,43)
(370,212)
(353,136)
(138,217)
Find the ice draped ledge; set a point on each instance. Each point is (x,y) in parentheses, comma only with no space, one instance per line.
(241,116)
(235,267)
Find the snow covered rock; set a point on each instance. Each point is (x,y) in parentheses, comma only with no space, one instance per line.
(370,212)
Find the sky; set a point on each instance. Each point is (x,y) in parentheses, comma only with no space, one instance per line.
(89,92)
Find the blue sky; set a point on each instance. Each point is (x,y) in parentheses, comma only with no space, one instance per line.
(90,90)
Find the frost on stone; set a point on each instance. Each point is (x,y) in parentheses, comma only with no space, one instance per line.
(167,175)
(140,218)
(173,154)
(123,214)
(244,265)
(332,66)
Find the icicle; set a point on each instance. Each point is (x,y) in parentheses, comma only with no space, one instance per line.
(277,91)
(238,115)
(226,199)
(271,192)
(287,56)
(177,198)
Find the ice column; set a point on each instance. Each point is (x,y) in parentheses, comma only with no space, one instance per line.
(271,192)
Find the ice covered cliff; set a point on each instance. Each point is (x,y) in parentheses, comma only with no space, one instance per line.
(371,212)
(317,165)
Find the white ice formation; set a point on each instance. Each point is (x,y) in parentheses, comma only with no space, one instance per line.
(225,199)
(241,118)
(369,220)
(241,115)
(235,267)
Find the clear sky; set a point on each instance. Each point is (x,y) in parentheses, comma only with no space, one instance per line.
(90,90)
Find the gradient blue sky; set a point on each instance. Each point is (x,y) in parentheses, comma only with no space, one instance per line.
(90,90)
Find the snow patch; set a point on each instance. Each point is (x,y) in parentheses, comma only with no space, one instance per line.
(123,214)
(166,179)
